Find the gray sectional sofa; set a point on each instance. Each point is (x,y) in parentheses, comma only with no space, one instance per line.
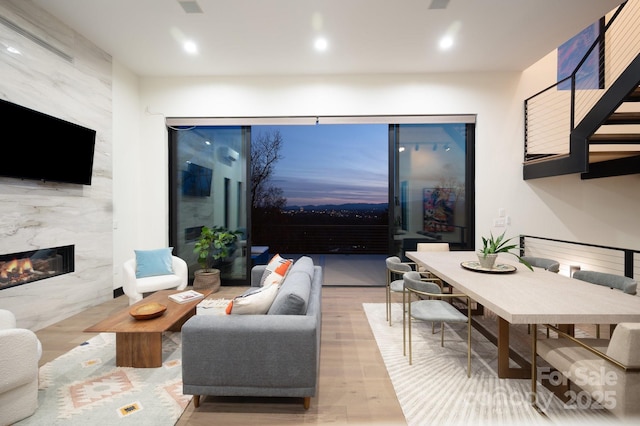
(273,355)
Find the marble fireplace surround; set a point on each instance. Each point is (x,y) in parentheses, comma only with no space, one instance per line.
(75,86)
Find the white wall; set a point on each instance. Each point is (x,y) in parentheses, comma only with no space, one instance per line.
(127,182)
(490,96)
(598,211)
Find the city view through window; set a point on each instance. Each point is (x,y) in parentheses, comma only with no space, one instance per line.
(320,189)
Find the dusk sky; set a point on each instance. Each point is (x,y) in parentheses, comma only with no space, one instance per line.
(332,163)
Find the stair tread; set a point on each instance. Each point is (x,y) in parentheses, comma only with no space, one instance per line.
(616,137)
(624,118)
(633,96)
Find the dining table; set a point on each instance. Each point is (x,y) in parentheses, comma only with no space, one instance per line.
(518,295)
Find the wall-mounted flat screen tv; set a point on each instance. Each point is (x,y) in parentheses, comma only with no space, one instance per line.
(196,180)
(43,147)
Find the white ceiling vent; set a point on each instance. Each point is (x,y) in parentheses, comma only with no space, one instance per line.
(439,4)
(231,154)
(34,38)
(190,6)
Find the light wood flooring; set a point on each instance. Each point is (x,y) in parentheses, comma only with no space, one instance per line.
(354,386)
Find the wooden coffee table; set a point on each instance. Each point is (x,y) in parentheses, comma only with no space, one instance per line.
(139,342)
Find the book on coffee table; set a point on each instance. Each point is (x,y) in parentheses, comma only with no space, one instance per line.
(186,296)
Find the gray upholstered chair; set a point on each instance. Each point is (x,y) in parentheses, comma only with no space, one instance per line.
(395,269)
(619,282)
(434,309)
(544,263)
(613,281)
(541,262)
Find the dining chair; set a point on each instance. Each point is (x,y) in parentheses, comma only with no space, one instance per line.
(395,269)
(431,247)
(542,262)
(618,282)
(434,309)
(546,264)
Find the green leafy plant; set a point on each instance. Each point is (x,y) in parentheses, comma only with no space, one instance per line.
(214,243)
(501,245)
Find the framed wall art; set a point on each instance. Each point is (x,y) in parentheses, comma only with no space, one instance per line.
(590,75)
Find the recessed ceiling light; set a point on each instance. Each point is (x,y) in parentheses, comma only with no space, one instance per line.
(321,44)
(446,43)
(190,47)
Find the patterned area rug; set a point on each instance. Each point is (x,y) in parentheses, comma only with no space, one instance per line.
(435,390)
(84,387)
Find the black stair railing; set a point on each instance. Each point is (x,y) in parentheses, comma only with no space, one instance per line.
(556,136)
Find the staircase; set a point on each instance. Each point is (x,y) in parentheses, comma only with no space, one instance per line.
(593,132)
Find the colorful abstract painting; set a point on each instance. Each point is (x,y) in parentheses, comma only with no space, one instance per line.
(439,206)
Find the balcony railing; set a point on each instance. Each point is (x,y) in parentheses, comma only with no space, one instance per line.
(324,239)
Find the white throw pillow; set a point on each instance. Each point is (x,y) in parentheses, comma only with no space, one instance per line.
(255,303)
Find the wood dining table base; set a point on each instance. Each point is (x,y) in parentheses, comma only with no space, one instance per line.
(505,371)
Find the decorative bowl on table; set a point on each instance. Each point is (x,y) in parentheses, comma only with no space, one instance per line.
(495,269)
(147,311)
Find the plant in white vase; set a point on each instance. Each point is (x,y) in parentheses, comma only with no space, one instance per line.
(492,246)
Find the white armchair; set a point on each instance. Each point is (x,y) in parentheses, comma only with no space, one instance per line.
(19,358)
(136,287)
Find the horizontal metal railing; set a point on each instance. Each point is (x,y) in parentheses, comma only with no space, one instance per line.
(324,239)
(586,256)
(551,114)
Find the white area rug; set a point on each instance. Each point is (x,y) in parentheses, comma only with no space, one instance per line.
(84,387)
(435,390)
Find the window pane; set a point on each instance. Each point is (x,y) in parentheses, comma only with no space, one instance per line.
(431,185)
(208,169)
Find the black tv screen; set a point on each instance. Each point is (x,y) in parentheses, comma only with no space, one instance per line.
(196,180)
(44,147)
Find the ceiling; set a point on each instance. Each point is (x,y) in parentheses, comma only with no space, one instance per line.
(276,37)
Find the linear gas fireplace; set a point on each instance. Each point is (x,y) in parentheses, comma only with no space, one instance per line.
(28,266)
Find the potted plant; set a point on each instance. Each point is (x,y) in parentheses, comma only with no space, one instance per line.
(215,244)
(492,246)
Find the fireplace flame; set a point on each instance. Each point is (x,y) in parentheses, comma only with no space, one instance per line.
(16,267)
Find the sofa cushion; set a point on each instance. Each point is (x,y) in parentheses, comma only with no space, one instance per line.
(293,295)
(305,264)
(150,263)
(256,301)
(276,270)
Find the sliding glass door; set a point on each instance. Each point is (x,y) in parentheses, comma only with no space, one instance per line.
(208,187)
(431,185)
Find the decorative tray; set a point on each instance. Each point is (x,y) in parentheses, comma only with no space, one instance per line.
(147,311)
(497,269)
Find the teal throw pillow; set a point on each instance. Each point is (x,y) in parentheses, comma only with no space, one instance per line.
(150,263)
